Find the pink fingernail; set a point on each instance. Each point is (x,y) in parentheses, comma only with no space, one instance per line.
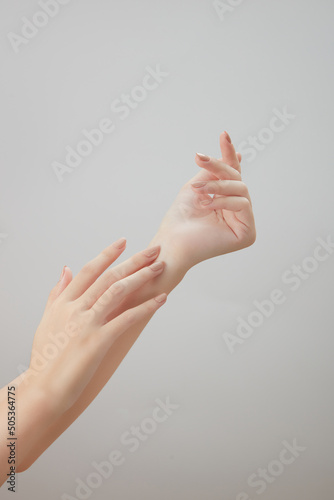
(161,298)
(228,137)
(198,184)
(203,157)
(157,266)
(120,243)
(206,202)
(151,252)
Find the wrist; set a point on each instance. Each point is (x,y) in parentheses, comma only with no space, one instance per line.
(174,270)
(35,387)
(171,253)
(36,412)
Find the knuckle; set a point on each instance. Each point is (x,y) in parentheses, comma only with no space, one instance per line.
(236,175)
(118,287)
(245,202)
(88,317)
(137,259)
(76,310)
(116,274)
(82,304)
(92,315)
(243,189)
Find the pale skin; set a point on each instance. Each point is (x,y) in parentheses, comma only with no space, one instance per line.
(103,310)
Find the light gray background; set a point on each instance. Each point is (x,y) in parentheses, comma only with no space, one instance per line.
(235,410)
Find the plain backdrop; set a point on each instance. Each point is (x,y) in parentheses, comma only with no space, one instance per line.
(225,72)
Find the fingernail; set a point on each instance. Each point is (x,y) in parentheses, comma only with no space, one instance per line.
(203,157)
(150,252)
(161,298)
(62,273)
(156,266)
(206,202)
(120,243)
(228,137)
(198,184)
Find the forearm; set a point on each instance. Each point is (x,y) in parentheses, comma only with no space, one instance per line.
(173,273)
(25,414)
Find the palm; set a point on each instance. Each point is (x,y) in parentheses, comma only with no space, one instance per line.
(207,232)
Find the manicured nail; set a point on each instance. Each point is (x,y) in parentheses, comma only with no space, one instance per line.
(228,137)
(203,157)
(62,273)
(161,298)
(157,266)
(206,202)
(120,243)
(151,252)
(198,184)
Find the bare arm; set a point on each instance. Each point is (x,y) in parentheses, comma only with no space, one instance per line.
(172,275)
(18,437)
(77,329)
(191,231)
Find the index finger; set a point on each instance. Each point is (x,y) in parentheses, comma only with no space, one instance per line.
(229,155)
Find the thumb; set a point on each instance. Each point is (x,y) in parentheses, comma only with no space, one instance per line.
(64,280)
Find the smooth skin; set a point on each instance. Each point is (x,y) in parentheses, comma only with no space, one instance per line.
(194,229)
(71,341)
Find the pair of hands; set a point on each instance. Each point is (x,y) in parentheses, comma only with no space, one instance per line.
(84,316)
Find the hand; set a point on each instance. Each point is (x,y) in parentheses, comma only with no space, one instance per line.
(75,332)
(199,227)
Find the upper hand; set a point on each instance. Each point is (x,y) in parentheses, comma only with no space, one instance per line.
(199,231)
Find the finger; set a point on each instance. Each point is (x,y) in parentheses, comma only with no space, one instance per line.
(238,204)
(226,188)
(117,326)
(93,269)
(217,167)
(121,289)
(229,155)
(239,157)
(202,175)
(64,281)
(130,266)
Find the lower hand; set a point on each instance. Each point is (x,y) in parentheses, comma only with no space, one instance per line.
(75,332)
